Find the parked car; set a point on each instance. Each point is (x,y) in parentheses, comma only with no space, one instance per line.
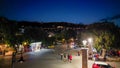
(99,64)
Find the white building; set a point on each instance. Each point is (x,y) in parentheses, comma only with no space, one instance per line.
(35,46)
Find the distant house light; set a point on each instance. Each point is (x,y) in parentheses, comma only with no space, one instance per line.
(59,26)
(22,30)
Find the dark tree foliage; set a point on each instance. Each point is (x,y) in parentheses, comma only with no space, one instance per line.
(105,34)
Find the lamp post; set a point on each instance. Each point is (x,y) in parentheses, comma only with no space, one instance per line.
(84,55)
(90,41)
(13,59)
(84,43)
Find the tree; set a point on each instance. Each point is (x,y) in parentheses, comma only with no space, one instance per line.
(8,30)
(105,33)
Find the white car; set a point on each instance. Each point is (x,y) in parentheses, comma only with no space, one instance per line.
(99,64)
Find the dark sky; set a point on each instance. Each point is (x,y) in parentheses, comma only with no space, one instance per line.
(74,11)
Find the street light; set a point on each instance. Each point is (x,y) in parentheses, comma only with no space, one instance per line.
(90,41)
(84,42)
(84,55)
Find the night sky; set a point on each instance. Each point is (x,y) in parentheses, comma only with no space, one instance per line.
(73,11)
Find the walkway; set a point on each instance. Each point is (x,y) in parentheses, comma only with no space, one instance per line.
(50,60)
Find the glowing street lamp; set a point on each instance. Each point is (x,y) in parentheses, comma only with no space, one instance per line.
(84,42)
(84,55)
(90,41)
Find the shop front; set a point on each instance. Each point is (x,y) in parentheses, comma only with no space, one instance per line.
(35,46)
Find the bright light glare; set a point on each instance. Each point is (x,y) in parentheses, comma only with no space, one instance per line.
(84,42)
(90,40)
(37,50)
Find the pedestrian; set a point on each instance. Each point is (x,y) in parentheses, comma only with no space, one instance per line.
(4,52)
(119,53)
(78,53)
(94,57)
(61,56)
(97,57)
(13,59)
(0,51)
(65,57)
(105,57)
(70,58)
(21,60)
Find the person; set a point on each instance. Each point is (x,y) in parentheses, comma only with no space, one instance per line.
(97,57)
(119,53)
(21,60)
(65,57)
(61,56)
(13,59)
(0,51)
(105,57)
(4,52)
(94,57)
(78,53)
(70,58)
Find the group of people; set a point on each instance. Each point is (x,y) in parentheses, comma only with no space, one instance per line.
(66,57)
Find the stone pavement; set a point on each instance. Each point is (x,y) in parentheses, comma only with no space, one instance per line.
(76,63)
(50,60)
(5,61)
(46,58)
